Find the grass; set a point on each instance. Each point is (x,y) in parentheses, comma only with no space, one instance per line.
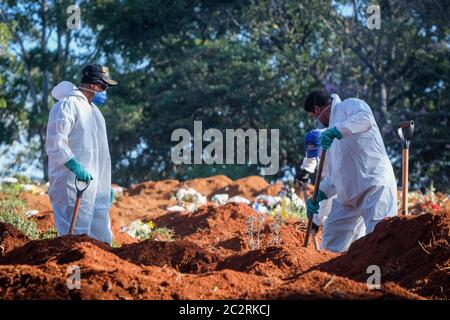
(165,234)
(13,215)
(11,190)
(114,244)
(12,212)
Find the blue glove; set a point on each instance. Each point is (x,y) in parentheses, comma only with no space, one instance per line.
(81,173)
(112,195)
(327,137)
(312,143)
(313,208)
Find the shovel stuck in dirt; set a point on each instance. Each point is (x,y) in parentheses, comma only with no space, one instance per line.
(77,205)
(314,199)
(303,187)
(405,132)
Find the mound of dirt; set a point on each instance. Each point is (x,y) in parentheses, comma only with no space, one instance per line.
(104,275)
(10,238)
(40,202)
(248,187)
(275,261)
(41,251)
(184,256)
(413,251)
(224,252)
(225,228)
(320,285)
(208,186)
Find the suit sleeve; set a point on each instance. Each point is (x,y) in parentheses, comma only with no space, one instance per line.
(60,124)
(359,118)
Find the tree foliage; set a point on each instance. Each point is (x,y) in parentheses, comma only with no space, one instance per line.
(235,64)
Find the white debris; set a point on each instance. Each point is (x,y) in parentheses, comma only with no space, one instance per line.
(9,180)
(220,199)
(28,187)
(31,213)
(191,195)
(238,199)
(139,230)
(176,209)
(269,201)
(298,202)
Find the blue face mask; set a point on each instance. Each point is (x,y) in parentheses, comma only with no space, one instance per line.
(99,98)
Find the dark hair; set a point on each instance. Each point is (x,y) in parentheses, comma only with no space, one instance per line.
(316,98)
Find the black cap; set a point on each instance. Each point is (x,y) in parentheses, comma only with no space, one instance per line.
(96,73)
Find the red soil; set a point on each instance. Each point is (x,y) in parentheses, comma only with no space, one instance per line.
(182,255)
(413,251)
(10,238)
(210,257)
(248,187)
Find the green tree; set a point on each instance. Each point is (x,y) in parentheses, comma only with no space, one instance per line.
(44,53)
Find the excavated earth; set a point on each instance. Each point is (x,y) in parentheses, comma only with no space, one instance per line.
(210,256)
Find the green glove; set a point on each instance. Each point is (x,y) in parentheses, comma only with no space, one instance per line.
(313,208)
(327,137)
(112,195)
(81,173)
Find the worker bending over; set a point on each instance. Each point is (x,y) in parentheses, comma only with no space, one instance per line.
(357,170)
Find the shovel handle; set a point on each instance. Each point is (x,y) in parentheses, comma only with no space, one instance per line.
(315,194)
(405,182)
(77,205)
(75,215)
(81,190)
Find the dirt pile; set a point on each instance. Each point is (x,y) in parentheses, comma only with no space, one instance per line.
(275,261)
(41,202)
(226,228)
(184,256)
(10,238)
(249,187)
(149,200)
(412,251)
(208,186)
(224,252)
(39,252)
(104,275)
(320,285)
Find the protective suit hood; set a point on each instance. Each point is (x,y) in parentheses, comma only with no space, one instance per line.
(65,89)
(336,100)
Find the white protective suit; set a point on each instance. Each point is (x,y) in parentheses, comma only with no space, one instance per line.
(76,129)
(358,172)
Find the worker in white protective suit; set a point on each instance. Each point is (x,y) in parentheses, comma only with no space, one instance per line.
(77,146)
(357,170)
(306,171)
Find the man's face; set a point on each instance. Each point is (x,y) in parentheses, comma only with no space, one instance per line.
(97,87)
(322,114)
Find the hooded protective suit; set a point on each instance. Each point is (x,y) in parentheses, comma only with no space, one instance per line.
(358,172)
(76,129)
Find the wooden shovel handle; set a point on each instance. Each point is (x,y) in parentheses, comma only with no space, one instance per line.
(315,194)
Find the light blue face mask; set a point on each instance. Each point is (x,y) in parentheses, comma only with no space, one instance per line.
(99,98)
